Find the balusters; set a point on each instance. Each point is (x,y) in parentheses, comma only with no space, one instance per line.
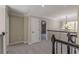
(75,48)
(53,49)
(61,48)
(56,47)
(69,44)
(53,44)
(1,44)
(71,50)
(68,47)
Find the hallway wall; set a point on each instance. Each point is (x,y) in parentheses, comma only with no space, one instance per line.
(7,26)
(2,19)
(26,18)
(2,24)
(53,25)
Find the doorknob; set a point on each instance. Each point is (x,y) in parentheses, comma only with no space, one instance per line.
(3,33)
(32,31)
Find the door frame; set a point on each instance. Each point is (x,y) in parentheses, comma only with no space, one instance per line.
(46,29)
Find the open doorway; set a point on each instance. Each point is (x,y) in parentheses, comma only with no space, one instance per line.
(43,30)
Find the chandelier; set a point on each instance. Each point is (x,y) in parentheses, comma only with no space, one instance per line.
(67,26)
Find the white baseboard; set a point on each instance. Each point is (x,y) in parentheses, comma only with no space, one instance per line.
(25,42)
(16,43)
(30,43)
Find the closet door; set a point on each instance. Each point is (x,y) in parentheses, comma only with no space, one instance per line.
(35,30)
(16,29)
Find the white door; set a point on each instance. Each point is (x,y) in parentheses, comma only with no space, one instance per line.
(35,30)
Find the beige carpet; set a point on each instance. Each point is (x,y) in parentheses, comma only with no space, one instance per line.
(43,47)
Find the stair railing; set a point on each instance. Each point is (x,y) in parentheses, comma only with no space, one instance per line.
(72,44)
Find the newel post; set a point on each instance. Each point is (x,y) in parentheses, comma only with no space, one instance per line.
(53,44)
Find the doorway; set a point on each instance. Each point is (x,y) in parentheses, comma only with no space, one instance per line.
(35,29)
(43,30)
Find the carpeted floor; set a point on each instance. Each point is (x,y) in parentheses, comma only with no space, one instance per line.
(43,47)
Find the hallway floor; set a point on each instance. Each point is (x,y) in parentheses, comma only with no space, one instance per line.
(43,47)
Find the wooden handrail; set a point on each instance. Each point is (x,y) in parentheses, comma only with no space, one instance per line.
(66,43)
(61,31)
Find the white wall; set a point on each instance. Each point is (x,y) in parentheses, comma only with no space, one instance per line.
(25,29)
(7,26)
(2,25)
(2,19)
(53,25)
(78,26)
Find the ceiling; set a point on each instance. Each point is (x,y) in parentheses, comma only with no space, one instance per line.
(50,11)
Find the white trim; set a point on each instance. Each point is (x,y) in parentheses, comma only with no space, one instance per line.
(15,14)
(29,43)
(29,30)
(16,43)
(2,6)
(25,29)
(25,42)
(46,29)
(4,45)
(40,29)
(44,18)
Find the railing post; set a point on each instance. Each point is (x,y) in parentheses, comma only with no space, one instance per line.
(53,44)
(56,47)
(61,48)
(75,48)
(68,47)
(1,42)
(3,33)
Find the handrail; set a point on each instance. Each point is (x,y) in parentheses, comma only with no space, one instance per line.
(69,34)
(61,31)
(74,35)
(71,44)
